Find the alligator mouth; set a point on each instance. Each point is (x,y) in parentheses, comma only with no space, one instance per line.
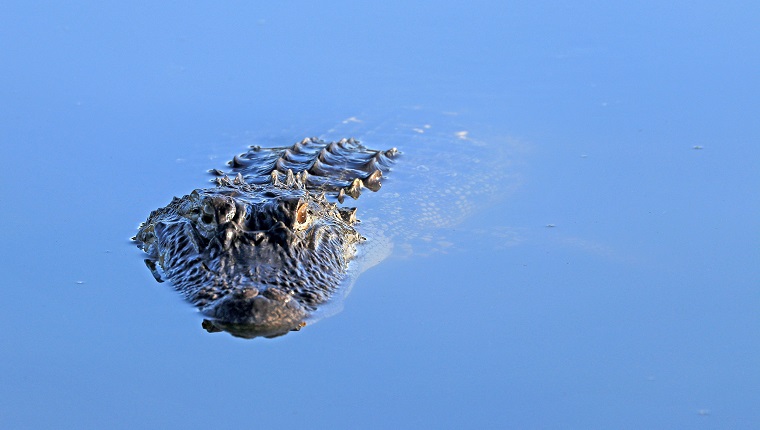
(248,313)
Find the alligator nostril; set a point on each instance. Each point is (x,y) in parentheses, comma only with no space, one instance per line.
(206,218)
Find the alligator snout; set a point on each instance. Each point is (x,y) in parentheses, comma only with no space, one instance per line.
(270,311)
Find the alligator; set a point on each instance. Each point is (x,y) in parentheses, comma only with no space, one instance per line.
(271,242)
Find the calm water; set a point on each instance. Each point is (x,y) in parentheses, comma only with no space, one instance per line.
(612,283)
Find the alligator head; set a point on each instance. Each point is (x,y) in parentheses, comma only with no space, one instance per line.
(256,260)
(258,254)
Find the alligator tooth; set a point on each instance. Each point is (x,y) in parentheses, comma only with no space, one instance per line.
(291,180)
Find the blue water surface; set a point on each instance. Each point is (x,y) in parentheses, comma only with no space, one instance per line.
(613,284)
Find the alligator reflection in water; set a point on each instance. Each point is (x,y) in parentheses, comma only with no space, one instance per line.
(258,254)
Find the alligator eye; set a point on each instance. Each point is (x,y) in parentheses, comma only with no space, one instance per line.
(207,218)
(302,213)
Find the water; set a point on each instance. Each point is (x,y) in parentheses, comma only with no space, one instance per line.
(614,286)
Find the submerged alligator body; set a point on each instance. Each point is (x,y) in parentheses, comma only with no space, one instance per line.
(260,252)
